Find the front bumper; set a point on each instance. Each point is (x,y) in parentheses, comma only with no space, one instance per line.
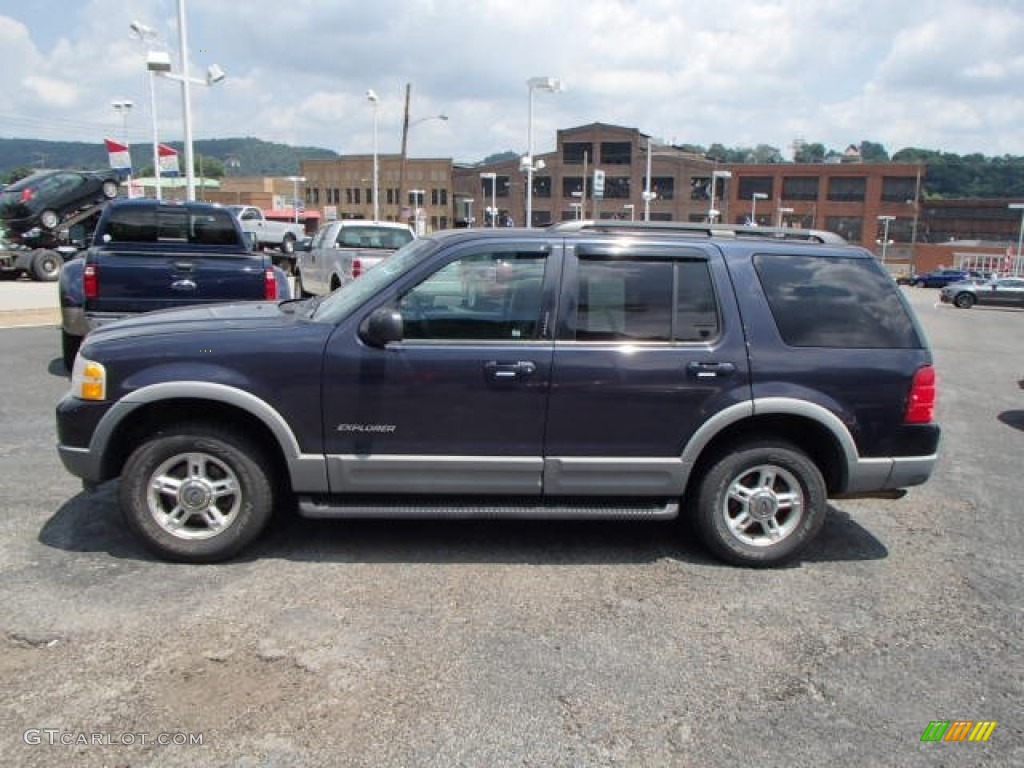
(77,425)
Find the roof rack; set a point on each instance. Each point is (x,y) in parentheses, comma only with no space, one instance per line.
(698,230)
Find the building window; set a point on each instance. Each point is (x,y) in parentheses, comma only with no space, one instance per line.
(542,186)
(540,218)
(664,187)
(576,152)
(616,153)
(503,186)
(846,189)
(616,187)
(898,189)
(848,227)
(800,187)
(751,185)
(572,186)
(369,195)
(700,188)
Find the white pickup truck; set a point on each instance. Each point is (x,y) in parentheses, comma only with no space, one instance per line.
(276,234)
(343,250)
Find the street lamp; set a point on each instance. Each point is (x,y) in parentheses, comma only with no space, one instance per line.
(753,206)
(123,108)
(296,180)
(469,211)
(406,125)
(632,211)
(713,213)
(494,195)
(160,63)
(148,34)
(551,85)
(417,195)
(1020,238)
(886,221)
(783,211)
(371,96)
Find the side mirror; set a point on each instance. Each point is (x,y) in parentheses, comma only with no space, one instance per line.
(383,325)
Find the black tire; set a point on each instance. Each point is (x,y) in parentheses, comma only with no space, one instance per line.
(288,244)
(919,284)
(109,189)
(49,219)
(177,483)
(69,348)
(46,266)
(753,489)
(963,300)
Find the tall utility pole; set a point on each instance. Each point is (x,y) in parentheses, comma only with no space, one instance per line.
(405,143)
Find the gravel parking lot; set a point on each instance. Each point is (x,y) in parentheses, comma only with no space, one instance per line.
(529,644)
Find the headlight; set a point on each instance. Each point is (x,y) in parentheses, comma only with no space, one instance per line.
(88,379)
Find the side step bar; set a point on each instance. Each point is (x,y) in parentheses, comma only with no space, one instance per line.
(491,508)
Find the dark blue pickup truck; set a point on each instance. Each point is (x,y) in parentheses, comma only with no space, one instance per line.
(737,377)
(147,255)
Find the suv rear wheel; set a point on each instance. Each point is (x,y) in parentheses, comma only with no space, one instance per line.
(760,503)
(196,493)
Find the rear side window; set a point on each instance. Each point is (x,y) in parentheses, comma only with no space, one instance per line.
(636,300)
(835,302)
(148,225)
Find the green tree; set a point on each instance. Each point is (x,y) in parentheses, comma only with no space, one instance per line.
(870,152)
(810,153)
(17,174)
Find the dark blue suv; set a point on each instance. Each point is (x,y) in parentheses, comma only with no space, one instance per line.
(737,376)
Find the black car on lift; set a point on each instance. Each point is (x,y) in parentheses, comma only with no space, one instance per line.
(46,198)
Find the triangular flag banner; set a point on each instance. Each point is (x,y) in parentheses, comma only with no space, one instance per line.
(120,158)
(168,161)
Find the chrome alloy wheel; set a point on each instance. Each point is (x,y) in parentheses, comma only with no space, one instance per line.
(763,505)
(194,496)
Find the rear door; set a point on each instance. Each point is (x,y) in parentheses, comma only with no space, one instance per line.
(159,257)
(649,347)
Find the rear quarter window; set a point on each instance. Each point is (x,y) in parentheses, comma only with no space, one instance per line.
(820,301)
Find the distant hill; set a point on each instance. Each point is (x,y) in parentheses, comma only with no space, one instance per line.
(241,157)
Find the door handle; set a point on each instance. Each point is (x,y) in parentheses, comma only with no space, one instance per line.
(183,285)
(710,370)
(508,371)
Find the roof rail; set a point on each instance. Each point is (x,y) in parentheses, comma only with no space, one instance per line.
(697,230)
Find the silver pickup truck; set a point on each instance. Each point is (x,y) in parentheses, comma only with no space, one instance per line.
(343,250)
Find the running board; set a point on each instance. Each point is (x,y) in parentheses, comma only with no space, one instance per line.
(492,508)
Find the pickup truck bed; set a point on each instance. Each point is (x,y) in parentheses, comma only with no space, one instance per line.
(147,255)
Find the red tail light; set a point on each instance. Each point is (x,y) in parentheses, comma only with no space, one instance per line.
(27,194)
(91,281)
(357,268)
(269,284)
(921,402)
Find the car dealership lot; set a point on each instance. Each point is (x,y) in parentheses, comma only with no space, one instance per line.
(482,644)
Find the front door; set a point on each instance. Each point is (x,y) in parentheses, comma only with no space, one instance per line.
(457,406)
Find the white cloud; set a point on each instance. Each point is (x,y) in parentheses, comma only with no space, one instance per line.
(939,74)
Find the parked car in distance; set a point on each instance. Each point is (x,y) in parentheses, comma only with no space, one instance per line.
(1003,292)
(268,232)
(608,370)
(940,277)
(46,198)
(343,250)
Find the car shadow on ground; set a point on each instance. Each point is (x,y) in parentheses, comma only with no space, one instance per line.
(90,522)
(56,368)
(1013,419)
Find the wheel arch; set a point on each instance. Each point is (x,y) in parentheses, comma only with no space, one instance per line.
(149,409)
(812,429)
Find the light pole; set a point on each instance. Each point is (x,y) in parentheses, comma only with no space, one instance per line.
(1020,238)
(296,180)
(753,206)
(469,211)
(123,108)
(648,196)
(886,221)
(782,212)
(632,211)
(148,34)
(494,195)
(406,125)
(371,96)
(418,199)
(713,213)
(551,85)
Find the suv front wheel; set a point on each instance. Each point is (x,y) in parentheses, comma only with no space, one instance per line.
(760,503)
(197,493)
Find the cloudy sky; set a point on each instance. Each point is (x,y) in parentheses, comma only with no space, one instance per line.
(938,74)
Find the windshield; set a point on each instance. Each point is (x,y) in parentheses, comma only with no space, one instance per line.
(350,296)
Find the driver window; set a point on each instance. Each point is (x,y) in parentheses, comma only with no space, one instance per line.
(479,296)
